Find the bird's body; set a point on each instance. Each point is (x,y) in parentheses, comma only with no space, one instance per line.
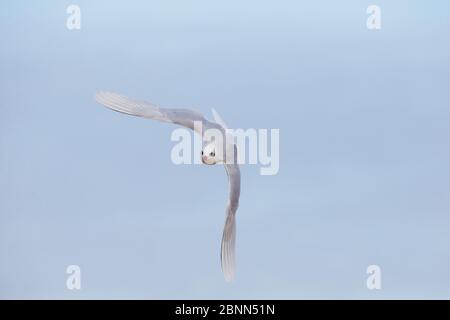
(213,152)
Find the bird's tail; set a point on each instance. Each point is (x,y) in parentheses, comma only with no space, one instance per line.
(227,249)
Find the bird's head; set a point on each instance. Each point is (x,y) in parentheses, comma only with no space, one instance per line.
(211,154)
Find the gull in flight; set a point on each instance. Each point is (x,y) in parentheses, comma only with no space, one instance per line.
(211,154)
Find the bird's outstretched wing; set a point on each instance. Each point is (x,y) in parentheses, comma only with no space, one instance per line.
(218,119)
(229,231)
(117,102)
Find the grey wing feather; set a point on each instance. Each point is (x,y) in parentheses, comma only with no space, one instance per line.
(117,102)
(229,231)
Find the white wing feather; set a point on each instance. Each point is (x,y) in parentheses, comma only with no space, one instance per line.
(229,231)
(184,117)
(218,119)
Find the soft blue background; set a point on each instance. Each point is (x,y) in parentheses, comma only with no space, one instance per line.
(365,160)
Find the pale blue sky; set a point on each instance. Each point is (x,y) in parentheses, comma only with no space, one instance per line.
(364,131)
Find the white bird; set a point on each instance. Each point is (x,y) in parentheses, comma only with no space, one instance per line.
(211,154)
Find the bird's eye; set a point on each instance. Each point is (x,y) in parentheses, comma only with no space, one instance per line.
(212,154)
(202,152)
